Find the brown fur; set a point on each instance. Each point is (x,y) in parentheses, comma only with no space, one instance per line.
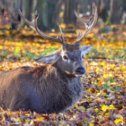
(42,89)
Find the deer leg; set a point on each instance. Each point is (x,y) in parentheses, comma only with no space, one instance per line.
(18,103)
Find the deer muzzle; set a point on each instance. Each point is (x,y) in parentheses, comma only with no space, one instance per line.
(80,71)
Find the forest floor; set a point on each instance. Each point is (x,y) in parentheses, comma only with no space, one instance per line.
(104,97)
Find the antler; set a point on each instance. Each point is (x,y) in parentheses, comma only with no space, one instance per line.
(33,24)
(88,23)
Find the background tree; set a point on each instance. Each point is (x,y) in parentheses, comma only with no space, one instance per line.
(49,10)
(70,7)
(116,11)
(103,9)
(41,8)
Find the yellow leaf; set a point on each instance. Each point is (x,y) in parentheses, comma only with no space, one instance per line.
(27,114)
(91,124)
(119,120)
(39,119)
(112,107)
(104,108)
(96,109)
(1,47)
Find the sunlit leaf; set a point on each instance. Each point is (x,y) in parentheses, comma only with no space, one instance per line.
(119,120)
(39,119)
(91,124)
(111,107)
(17,52)
(104,108)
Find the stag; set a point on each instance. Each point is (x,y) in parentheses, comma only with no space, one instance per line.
(55,84)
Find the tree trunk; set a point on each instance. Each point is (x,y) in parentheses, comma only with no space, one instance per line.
(116,11)
(124,12)
(52,6)
(103,9)
(70,7)
(43,14)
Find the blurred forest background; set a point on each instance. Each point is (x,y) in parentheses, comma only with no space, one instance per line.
(52,12)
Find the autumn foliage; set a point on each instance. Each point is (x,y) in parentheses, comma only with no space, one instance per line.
(104,97)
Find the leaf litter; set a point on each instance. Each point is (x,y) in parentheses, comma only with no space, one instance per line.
(104,97)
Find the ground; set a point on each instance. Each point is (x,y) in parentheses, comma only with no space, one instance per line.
(104,97)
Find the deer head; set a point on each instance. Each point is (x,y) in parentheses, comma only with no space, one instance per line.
(70,58)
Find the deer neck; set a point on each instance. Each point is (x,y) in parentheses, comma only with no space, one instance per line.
(60,69)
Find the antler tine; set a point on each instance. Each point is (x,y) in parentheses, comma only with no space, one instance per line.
(27,22)
(62,35)
(34,26)
(88,23)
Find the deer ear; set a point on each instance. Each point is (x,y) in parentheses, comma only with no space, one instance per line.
(49,59)
(85,50)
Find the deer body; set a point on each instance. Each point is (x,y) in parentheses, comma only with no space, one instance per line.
(52,87)
(33,89)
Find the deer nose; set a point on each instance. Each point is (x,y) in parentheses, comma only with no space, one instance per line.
(80,70)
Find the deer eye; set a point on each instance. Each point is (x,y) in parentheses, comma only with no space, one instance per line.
(65,57)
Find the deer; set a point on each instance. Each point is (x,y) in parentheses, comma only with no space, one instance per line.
(54,85)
